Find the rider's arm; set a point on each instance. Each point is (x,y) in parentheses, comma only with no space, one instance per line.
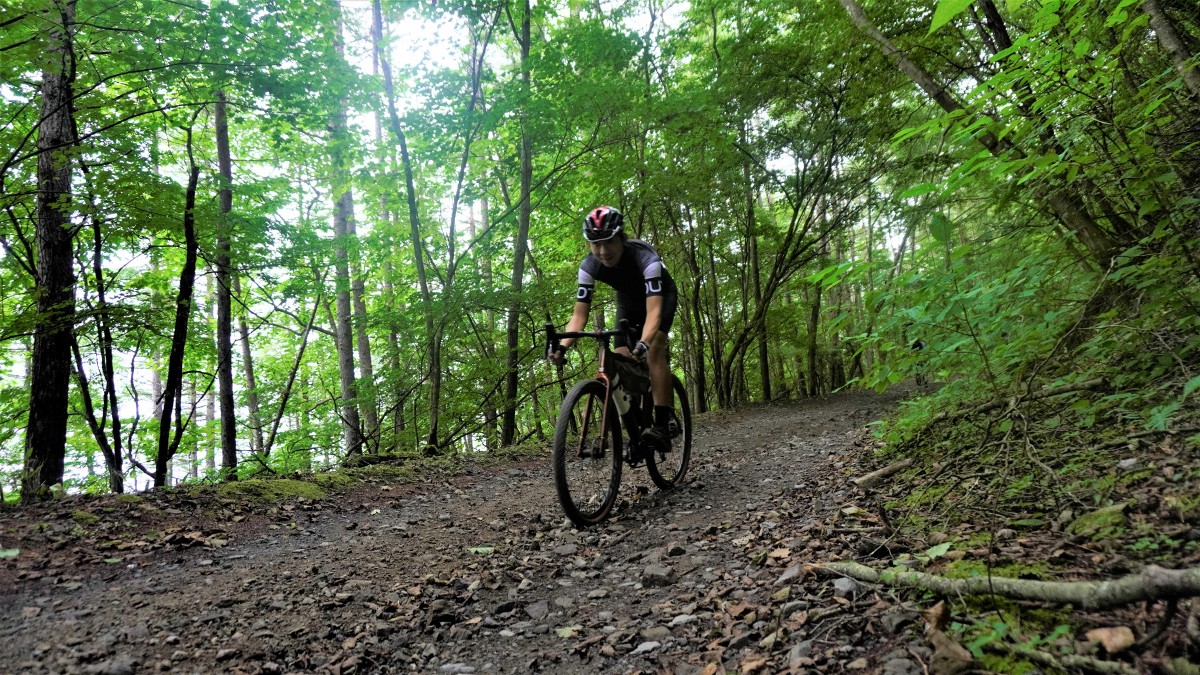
(578,320)
(654,305)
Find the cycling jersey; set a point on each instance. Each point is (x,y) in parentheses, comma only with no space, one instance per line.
(639,273)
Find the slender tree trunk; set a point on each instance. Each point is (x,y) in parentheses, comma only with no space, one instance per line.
(173,390)
(814,317)
(414,223)
(252,403)
(1172,44)
(343,212)
(508,432)
(224,297)
(46,435)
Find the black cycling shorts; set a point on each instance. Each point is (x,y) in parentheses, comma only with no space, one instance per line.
(633,309)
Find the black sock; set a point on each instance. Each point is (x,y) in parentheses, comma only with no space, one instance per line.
(662,415)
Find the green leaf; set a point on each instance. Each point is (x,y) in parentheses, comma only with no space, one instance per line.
(938,550)
(940,227)
(1014,5)
(946,11)
(481,550)
(9,552)
(918,190)
(1188,388)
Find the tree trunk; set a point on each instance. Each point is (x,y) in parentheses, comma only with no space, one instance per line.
(508,432)
(224,298)
(1173,45)
(252,403)
(343,212)
(173,389)
(46,435)
(414,223)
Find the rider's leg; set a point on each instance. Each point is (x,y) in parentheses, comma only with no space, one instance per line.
(660,370)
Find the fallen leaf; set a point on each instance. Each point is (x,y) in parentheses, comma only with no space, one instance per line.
(9,552)
(949,657)
(568,631)
(753,665)
(738,609)
(481,550)
(1115,640)
(938,616)
(779,553)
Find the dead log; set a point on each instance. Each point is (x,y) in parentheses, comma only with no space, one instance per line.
(1062,662)
(876,477)
(1150,584)
(1033,396)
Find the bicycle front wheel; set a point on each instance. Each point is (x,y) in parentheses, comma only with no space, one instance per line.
(668,466)
(587,454)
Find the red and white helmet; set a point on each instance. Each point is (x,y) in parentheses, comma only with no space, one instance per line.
(602,223)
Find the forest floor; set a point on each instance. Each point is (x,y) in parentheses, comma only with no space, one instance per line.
(476,570)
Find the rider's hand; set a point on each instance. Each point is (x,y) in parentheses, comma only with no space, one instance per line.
(556,354)
(639,351)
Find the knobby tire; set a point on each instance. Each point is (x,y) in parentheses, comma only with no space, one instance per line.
(587,479)
(667,469)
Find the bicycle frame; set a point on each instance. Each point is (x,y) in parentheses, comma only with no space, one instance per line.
(604,337)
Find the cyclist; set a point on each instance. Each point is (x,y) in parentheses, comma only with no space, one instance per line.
(646,297)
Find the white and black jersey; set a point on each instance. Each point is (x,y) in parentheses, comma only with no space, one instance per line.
(639,274)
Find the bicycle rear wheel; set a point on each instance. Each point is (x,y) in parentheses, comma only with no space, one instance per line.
(587,456)
(668,467)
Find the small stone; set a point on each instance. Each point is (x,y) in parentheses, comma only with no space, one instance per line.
(656,634)
(800,650)
(1128,464)
(118,665)
(456,668)
(658,575)
(226,654)
(645,648)
(844,587)
(566,549)
(857,664)
(179,655)
(172,639)
(538,610)
(675,550)
(936,538)
(598,593)
(682,619)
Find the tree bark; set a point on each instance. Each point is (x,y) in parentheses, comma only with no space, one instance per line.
(508,431)
(46,435)
(1172,44)
(252,402)
(224,297)
(343,212)
(173,388)
(414,224)
(1151,584)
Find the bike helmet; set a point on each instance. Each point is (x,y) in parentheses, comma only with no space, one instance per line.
(602,223)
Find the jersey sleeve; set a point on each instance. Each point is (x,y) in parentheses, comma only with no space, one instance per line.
(652,272)
(587,285)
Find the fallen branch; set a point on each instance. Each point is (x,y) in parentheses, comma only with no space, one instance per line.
(876,477)
(1152,583)
(1062,662)
(1040,394)
(1146,434)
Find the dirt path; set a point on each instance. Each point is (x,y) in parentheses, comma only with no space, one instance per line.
(481,574)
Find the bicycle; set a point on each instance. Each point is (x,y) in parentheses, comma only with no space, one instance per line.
(588,447)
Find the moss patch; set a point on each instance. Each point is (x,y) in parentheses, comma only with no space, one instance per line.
(271,490)
(85,517)
(1101,522)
